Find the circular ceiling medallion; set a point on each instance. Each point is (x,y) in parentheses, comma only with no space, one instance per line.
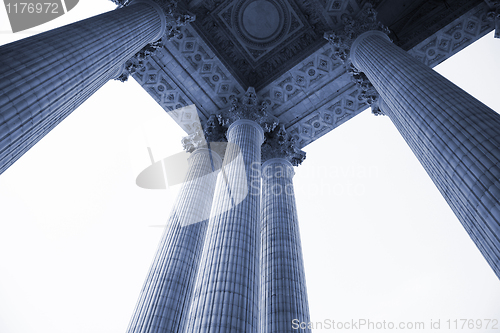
(261,19)
(261,22)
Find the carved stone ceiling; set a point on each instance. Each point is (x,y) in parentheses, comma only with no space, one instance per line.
(260,39)
(277,46)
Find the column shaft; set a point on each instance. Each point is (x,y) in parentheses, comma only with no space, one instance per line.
(45,77)
(166,295)
(456,137)
(283,284)
(226,292)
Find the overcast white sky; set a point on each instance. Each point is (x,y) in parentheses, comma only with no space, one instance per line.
(379,241)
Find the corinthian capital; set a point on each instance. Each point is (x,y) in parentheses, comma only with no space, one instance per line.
(248,108)
(194,141)
(342,40)
(174,17)
(279,144)
(137,62)
(214,131)
(212,137)
(368,91)
(172,21)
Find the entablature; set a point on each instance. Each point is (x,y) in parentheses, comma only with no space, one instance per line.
(313,96)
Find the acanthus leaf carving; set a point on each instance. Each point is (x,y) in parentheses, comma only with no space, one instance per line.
(194,141)
(174,21)
(279,144)
(368,91)
(353,27)
(343,40)
(247,107)
(137,62)
(214,131)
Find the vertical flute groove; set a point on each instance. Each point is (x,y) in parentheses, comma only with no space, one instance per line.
(226,292)
(166,295)
(283,283)
(455,136)
(54,72)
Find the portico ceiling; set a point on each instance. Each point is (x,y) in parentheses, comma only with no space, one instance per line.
(277,46)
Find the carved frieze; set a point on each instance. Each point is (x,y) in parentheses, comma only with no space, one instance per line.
(328,114)
(175,19)
(168,95)
(428,18)
(305,78)
(311,97)
(191,61)
(137,62)
(454,37)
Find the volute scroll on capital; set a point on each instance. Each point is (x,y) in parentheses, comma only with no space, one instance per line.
(248,108)
(211,136)
(194,141)
(279,144)
(174,20)
(342,41)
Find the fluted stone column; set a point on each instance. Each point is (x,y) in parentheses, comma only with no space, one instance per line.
(456,136)
(166,295)
(283,284)
(283,300)
(226,292)
(45,77)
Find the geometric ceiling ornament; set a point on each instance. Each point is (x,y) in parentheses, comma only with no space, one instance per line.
(277,47)
(259,40)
